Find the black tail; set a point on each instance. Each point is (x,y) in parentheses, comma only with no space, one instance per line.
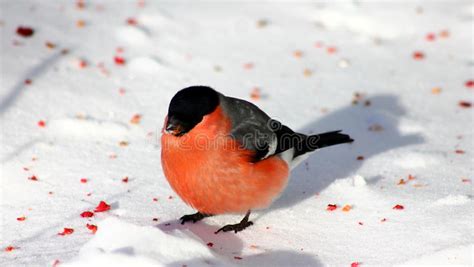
(317,141)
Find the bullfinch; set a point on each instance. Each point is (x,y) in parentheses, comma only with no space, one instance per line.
(225,155)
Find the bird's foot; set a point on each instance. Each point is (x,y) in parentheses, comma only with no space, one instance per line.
(235,227)
(238,226)
(193,217)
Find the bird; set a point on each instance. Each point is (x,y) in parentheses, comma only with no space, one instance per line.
(224,155)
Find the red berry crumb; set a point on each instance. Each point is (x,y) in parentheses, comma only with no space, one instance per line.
(25,31)
(28,81)
(210,244)
(42,124)
(465,104)
(83,180)
(87,214)
(417,55)
(119,60)
(92,227)
(331,207)
(20,219)
(430,37)
(10,248)
(355,264)
(331,49)
(66,231)
(398,207)
(125,179)
(103,206)
(469,84)
(132,21)
(33,178)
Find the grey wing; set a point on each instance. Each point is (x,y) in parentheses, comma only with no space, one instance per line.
(251,127)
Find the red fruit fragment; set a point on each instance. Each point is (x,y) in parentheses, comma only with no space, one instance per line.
(42,124)
(132,21)
(465,180)
(56,263)
(33,178)
(136,119)
(459,151)
(331,207)
(444,34)
(87,214)
(465,104)
(361,223)
(255,94)
(92,227)
(20,219)
(155,199)
(83,180)
(10,248)
(25,31)
(469,84)
(401,182)
(355,264)
(119,60)
(398,207)
(103,206)
(66,231)
(210,244)
(331,50)
(125,179)
(237,257)
(50,45)
(418,55)
(28,81)
(430,37)
(248,66)
(82,63)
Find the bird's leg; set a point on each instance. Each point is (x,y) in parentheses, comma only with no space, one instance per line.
(237,227)
(194,217)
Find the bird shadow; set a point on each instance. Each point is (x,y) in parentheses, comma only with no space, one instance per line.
(228,249)
(274,258)
(32,74)
(374,127)
(204,233)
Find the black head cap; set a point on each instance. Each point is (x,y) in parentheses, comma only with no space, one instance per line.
(189,106)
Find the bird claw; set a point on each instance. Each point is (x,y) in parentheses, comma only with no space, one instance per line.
(193,217)
(235,227)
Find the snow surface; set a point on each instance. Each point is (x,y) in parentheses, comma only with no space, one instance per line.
(285,49)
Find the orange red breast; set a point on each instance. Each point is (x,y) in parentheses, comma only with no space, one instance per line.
(213,174)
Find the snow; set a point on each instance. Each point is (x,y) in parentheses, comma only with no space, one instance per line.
(408,128)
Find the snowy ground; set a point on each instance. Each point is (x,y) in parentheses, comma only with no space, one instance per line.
(67,108)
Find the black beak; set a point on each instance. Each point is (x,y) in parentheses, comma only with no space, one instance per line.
(174,127)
